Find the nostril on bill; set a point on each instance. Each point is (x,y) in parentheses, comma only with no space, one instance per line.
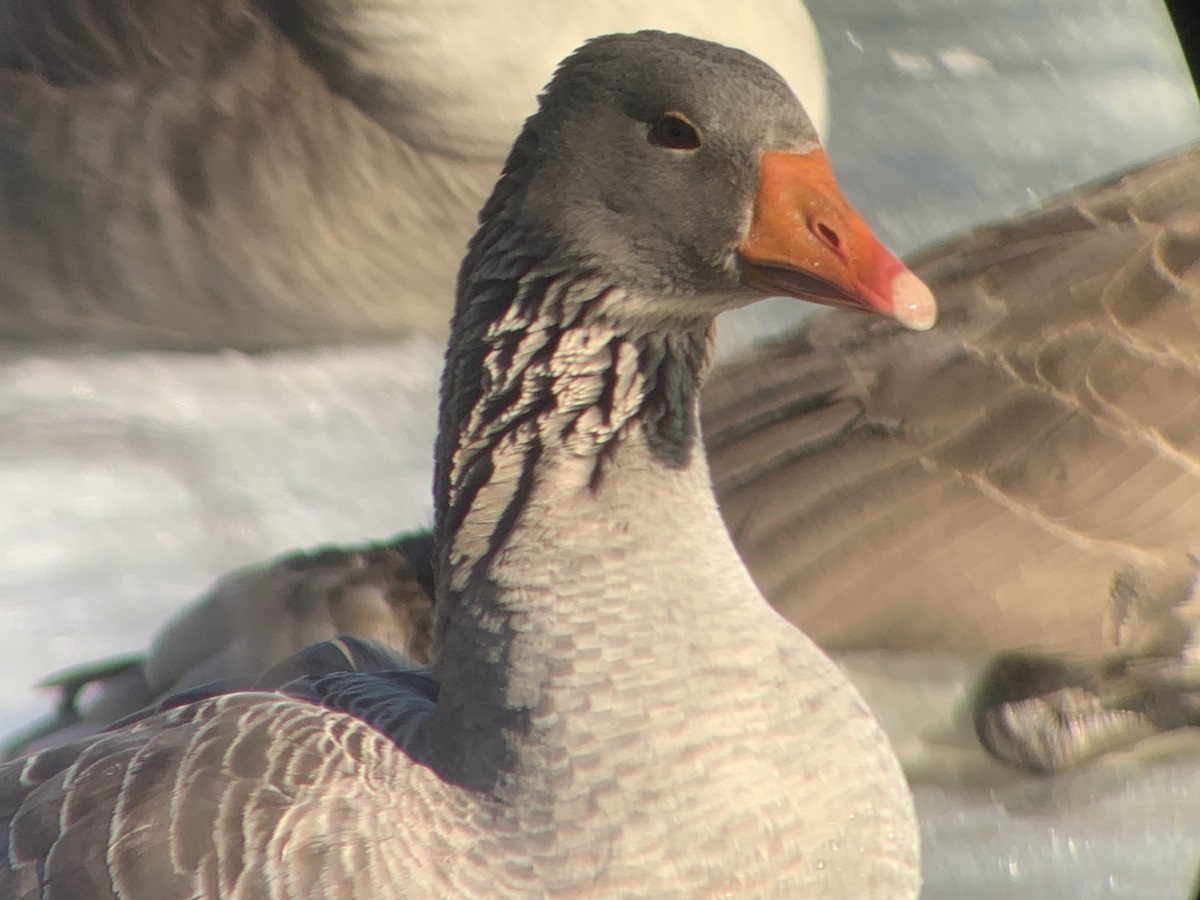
(827,236)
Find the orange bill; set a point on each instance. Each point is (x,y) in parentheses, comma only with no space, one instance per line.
(806,241)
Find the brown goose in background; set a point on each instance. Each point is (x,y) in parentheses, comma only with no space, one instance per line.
(258,174)
(577,738)
(249,622)
(1027,479)
(1041,434)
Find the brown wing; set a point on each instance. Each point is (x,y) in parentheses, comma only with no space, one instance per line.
(982,486)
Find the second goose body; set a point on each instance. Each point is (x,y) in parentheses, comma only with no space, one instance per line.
(583,741)
(259,174)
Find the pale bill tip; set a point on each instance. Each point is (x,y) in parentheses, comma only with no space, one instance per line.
(913,305)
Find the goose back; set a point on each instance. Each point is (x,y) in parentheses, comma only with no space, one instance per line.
(249,622)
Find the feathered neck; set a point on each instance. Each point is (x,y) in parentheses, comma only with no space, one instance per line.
(541,370)
(557,420)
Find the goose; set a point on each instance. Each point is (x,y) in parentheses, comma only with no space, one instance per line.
(823,444)
(578,738)
(210,175)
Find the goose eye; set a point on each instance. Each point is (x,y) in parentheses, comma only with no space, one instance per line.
(675,132)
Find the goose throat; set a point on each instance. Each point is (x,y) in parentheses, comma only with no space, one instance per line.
(556,389)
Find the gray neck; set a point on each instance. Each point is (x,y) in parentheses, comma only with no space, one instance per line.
(555,570)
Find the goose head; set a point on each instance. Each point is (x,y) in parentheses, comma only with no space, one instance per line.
(694,180)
